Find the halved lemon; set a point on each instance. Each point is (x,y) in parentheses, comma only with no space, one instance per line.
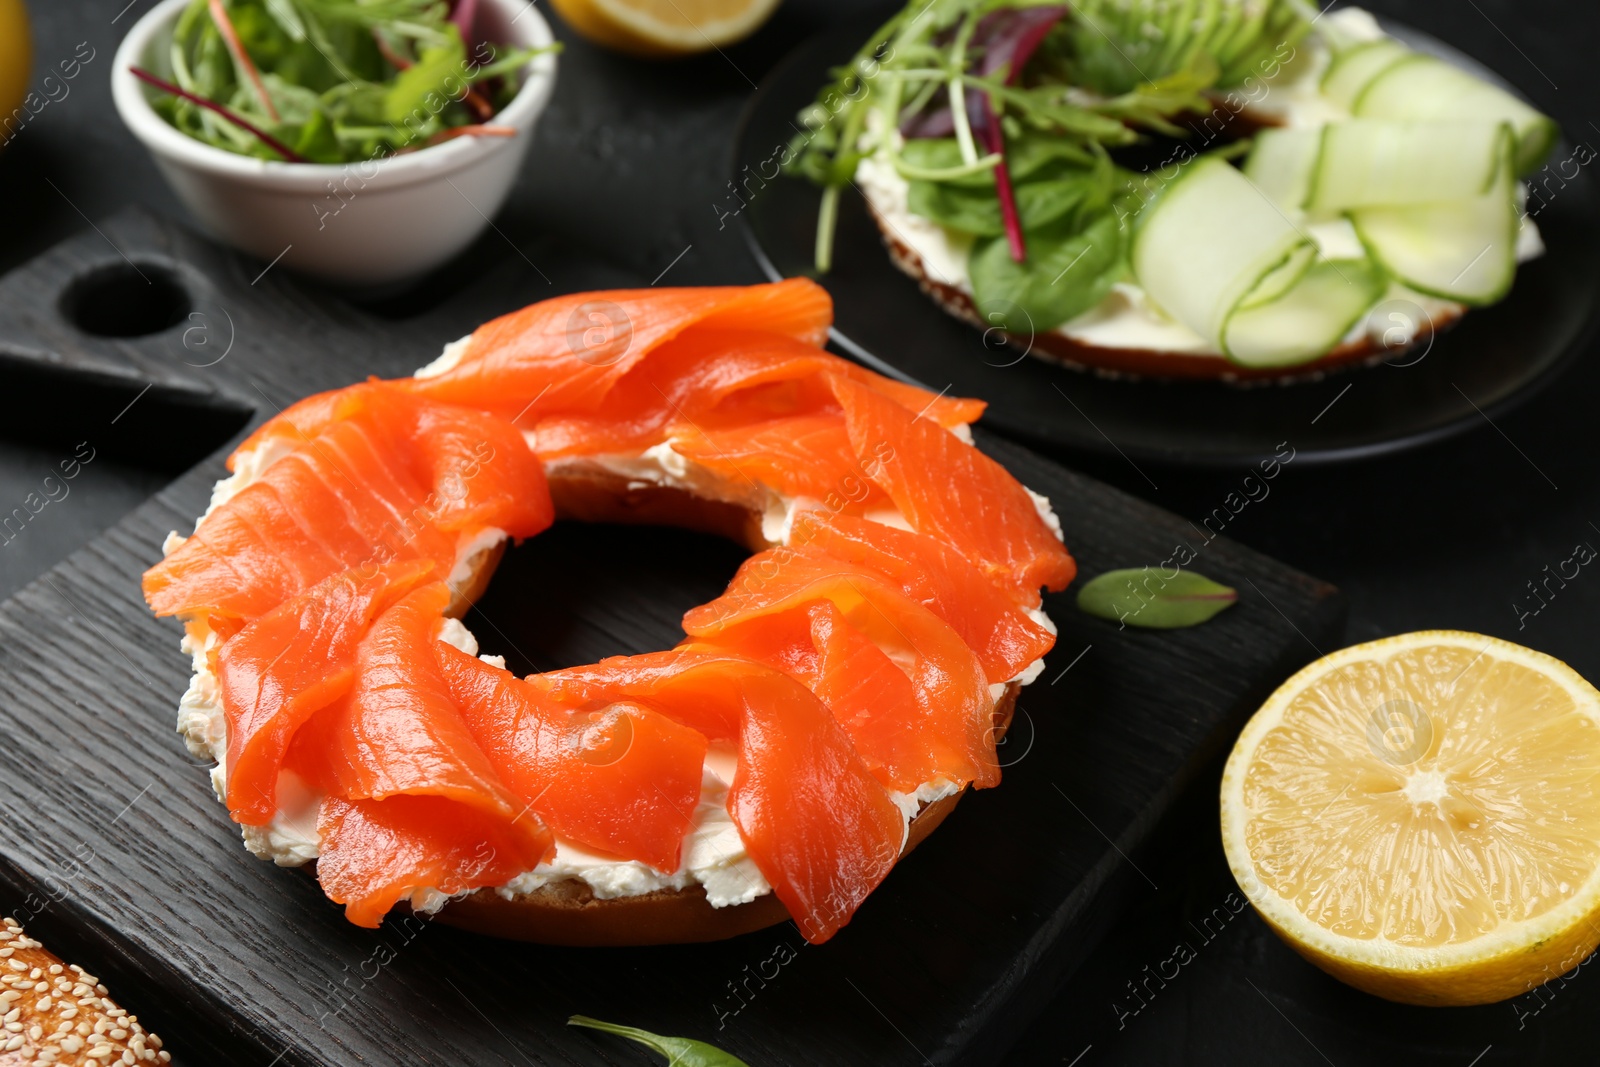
(665,27)
(1420,817)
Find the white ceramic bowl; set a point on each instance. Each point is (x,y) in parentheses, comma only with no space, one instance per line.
(359,224)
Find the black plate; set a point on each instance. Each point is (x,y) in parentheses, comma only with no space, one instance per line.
(1496,359)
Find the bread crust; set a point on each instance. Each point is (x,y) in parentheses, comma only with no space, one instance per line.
(1145,362)
(62,1013)
(592,494)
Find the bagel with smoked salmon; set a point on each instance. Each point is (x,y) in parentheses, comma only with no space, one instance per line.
(814,723)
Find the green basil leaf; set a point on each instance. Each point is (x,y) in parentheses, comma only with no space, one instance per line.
(1147,597)
(1067,272)
(679,1051)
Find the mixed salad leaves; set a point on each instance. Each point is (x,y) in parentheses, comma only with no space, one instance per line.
(1009,122)
(1002,115)
(332,81)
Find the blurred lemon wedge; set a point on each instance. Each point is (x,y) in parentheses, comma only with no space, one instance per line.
(665,27)
(1420,817)
(16,59)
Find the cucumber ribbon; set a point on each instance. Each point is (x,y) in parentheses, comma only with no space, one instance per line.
(1433,203)
(1219,256)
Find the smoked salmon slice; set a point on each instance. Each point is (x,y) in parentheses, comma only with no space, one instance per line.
(869,695)
(949,731)
(481,473)
(303,420)
(391,479)
(374,852)
(820,828)
(567,353)
(716,378)
(801,456)
(620,780)
(399,730)
(935,575)
(290,663)
(949,489)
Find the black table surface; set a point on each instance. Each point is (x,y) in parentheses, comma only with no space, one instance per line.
(630,163)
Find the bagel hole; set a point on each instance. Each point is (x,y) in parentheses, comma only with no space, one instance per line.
(126,300)
(580,592)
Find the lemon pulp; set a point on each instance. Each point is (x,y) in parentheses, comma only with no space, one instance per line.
(1416,813)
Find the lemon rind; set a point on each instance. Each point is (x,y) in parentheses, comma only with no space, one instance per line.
(1555,928)
(652,31)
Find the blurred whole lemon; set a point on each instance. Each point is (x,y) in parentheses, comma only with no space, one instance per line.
(16,56)
(665,27)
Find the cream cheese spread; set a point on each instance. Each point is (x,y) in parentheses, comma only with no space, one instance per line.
(1126,318)
(713,856)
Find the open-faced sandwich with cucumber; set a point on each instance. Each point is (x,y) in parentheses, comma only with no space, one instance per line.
(1179,188)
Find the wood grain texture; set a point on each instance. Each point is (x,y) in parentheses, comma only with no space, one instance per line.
(110,829)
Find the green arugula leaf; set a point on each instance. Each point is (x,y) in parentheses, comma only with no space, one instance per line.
(317,140)
(424,87)
(295,103)
(1149,598)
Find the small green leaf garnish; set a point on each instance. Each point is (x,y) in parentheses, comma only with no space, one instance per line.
(1152,598)
(679,1051)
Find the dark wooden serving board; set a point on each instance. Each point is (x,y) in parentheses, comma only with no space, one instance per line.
(113,848)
